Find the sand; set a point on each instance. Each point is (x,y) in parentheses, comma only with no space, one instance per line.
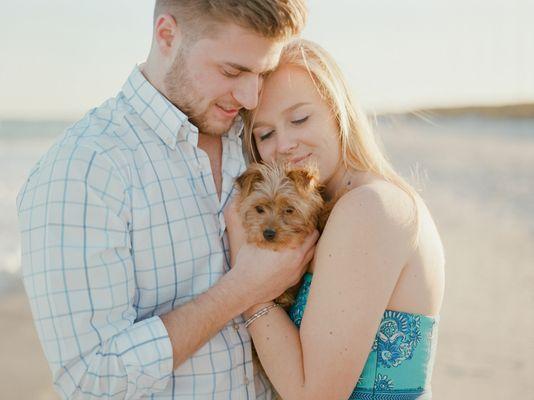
(24,373)
(477,175)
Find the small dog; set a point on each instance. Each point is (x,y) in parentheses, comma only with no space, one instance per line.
(280,205)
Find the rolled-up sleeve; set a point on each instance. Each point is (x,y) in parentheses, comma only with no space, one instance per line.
(78,272)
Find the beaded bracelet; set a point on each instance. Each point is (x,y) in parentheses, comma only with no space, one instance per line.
(260,313)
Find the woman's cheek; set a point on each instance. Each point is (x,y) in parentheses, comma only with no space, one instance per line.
(266,152)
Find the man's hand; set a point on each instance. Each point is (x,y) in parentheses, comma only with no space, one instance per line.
(261,274)
(235,230)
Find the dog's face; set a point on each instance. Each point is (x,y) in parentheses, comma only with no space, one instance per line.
(279,205)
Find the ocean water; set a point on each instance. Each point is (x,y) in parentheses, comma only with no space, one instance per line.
(21,145)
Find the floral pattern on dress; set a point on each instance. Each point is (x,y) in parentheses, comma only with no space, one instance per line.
(395,342)
(397,337)
(383,383)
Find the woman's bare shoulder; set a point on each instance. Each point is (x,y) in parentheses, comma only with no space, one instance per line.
(379,200)
(376,218)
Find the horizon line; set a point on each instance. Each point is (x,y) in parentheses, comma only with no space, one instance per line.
(521,109)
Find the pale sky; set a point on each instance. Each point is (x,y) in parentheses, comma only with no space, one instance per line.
(61,57)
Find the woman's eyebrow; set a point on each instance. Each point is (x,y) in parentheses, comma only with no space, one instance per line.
(287,110)
(295,106)
(258,124)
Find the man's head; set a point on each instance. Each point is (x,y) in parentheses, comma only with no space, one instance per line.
(208,57)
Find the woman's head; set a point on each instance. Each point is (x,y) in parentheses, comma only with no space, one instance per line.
(306,109)
(294,123)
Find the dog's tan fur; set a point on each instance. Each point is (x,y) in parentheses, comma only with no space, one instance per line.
(284,200)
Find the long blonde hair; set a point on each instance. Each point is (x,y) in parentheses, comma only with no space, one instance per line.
(359,148)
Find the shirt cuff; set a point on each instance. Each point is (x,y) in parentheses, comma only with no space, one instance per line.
(146,352)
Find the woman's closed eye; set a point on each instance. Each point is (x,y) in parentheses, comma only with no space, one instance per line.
(266,135)
(300,121)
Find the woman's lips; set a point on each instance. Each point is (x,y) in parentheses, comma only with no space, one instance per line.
(299,159)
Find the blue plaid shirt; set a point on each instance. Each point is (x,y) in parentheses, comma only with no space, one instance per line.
(120,223)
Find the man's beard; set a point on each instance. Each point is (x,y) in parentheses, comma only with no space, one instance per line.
(182,93)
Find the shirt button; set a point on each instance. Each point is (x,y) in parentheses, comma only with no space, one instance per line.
(236,326)
(246,380)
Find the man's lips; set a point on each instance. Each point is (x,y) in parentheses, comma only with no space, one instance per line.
(228,112)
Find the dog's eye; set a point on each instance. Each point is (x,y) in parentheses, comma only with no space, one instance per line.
(260,209)
(289,210)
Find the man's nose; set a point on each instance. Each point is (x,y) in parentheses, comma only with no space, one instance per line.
(247,91)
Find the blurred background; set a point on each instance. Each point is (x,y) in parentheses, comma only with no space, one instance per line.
(449,86)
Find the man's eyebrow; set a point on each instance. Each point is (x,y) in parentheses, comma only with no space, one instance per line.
(242,68)
(239,67)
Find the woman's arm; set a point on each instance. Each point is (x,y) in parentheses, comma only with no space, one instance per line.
(359,258)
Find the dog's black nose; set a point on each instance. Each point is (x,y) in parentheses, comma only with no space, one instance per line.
(269,234)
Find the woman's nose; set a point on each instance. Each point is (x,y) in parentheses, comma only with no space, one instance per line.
(285,144)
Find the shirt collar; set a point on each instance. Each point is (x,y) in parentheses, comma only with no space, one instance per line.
(237,128)
(163,117)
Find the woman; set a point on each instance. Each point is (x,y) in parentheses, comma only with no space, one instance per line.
(374,289)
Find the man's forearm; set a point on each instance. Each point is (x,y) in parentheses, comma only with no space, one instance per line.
(191,325)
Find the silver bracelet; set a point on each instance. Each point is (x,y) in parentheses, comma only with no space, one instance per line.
(260,313)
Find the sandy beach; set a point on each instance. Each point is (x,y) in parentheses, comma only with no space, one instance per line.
(477,176)
(24,373)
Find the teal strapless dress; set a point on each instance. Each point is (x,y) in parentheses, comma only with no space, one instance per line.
(399,366)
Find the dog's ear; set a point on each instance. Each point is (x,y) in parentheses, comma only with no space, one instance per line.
(245,182)
(305,178)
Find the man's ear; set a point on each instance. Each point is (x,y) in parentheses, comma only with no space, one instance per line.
(167,34)
(245,182)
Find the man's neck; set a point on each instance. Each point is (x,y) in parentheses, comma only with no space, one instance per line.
(212,145)
(154,76)
(208,142)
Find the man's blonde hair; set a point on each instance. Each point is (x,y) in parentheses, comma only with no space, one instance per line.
(273,19)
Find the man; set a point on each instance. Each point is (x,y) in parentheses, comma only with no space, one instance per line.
(125,257)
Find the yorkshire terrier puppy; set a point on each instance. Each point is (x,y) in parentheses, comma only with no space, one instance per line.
(280,205)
